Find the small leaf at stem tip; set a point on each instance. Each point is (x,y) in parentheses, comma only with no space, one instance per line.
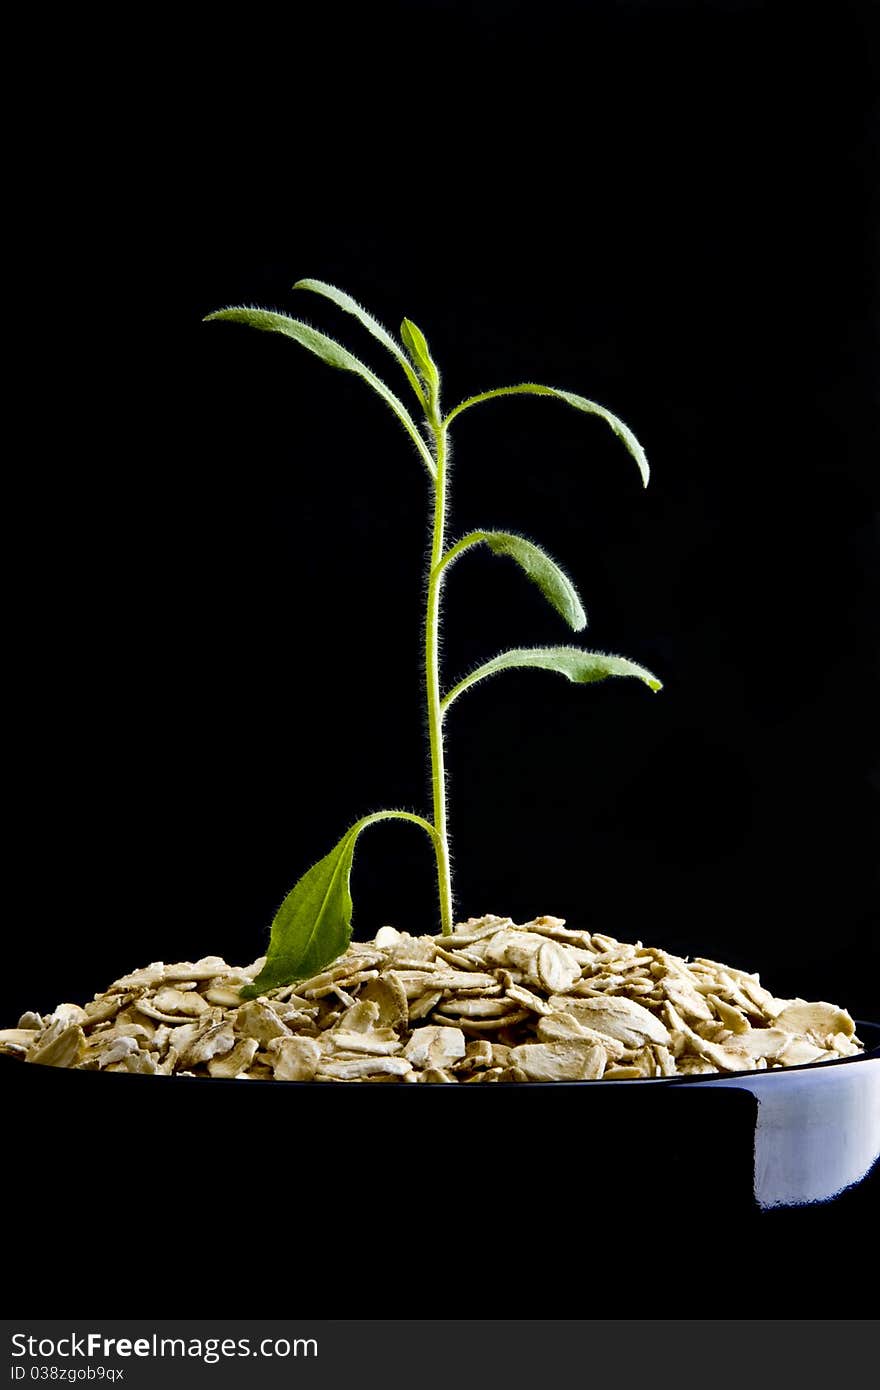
(576,665)
(313,924)
(329,351)
(417,346)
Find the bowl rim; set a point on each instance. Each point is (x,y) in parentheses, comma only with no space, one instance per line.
(727,1079)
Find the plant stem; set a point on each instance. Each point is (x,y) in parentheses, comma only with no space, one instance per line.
(471,539)
(432,682)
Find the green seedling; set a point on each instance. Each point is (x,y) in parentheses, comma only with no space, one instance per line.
(313,925)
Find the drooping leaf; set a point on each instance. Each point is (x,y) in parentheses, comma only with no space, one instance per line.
(313,924)
(576,665)
(329,351)
(553,582)
(417,346)
(350,306)
(530,388)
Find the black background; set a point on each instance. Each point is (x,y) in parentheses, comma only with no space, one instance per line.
(668,207)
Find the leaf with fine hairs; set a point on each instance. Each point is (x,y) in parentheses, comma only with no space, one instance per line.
(576,665)
(553,582)
(531,388)
(350,306)
(416,345)
(313,924)
(329,351)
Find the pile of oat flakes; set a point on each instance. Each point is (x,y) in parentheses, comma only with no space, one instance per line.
(493,1002)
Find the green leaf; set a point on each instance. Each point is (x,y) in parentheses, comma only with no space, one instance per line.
(329,351)
(313,924)
(417,346)
(530,388)
(350,306)
(576,665)
(553,582)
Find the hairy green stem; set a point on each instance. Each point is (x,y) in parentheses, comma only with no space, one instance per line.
(375,816)
(524,388)
(432,682)
(471,539)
